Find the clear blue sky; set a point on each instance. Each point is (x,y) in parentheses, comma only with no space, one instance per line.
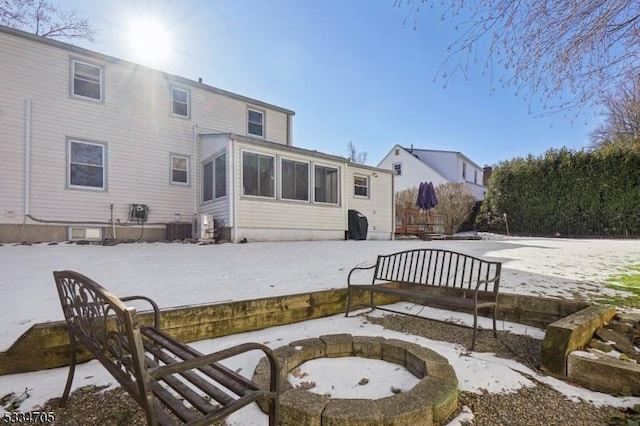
(352,70)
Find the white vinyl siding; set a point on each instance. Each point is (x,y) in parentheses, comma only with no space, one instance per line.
(288,215)
(212,148)
(180,102)
(86,165)
(180,169)
(130,119)
(86,80)
(378,207)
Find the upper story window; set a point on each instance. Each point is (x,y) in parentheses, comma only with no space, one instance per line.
(86,165)
(397,167)
(294,180)
(180,169)
(475,176)
(464,170)
(326,184)
(255,122)
(180,102)
(87,80)
(361,186)
(258,174)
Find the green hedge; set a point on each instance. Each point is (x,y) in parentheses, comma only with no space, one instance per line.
(565,192)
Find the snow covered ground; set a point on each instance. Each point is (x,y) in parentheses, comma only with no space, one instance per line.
(186,274)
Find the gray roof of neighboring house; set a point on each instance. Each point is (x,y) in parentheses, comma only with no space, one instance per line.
(113,59)
(426,151)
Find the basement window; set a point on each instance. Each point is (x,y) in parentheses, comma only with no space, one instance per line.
(82,233)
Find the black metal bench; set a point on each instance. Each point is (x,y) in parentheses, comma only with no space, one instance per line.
(161,373)
(434,276)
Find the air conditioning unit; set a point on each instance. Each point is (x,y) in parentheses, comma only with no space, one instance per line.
(138,212)
(205,227)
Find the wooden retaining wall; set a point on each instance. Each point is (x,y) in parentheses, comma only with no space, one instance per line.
(46,345)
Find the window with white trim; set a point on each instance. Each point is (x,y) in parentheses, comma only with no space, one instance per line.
(220,171)
(86,165)
(361,186)
(294,180)
(86,80)
(325,184)
(180,169)
(397,167)
(464,170)
(258,174)
(255,122)
(475,176)
(180,102)
(207,181)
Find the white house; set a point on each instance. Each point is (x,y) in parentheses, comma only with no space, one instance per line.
(97,147)
(412,166)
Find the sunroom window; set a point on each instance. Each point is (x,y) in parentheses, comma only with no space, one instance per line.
(295,180)
(326,184)
(258,174)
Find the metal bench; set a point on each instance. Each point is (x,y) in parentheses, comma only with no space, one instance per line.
(161,373)
(435,277)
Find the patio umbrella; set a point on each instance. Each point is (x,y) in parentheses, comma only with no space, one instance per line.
(421,201)
(433,199)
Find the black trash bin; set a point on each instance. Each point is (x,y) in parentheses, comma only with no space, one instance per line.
(358,225)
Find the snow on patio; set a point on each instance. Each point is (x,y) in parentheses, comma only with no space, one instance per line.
(186,274)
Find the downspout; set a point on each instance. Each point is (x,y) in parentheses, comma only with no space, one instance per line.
(27,159)
(232,190)
(289,130)
(193,173)
(393,206)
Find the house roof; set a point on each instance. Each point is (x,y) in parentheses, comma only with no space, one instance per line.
(413,151)
(115,60)
(296,150)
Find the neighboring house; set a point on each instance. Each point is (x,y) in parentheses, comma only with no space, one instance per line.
(97,147)
(412,166)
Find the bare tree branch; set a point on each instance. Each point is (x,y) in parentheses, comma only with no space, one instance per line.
(567,54)
(621,125)
(45,19)
(359,157)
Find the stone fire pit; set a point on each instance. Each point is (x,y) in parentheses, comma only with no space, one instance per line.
(430,402)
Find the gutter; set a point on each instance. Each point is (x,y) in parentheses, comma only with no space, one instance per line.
(27,159)
(232,189)
(193,168)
